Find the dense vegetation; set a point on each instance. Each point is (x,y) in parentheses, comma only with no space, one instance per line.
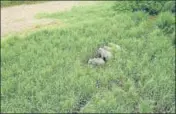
(47,71)
(151,7)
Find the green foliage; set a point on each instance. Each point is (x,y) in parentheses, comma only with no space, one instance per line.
(166,22)
(151,7)
(8,3)
(139,17)
(169,6)
(145,107)
(46,71)
(123,6)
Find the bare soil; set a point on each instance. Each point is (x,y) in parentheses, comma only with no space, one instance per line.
(18,18)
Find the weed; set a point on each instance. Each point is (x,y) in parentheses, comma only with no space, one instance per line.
(46,71)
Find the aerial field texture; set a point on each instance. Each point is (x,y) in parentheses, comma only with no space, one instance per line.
(47,70)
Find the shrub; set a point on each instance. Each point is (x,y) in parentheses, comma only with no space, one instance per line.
(169,6)
(166,22)
(151,7)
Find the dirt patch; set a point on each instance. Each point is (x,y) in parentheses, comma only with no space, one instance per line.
(18,18)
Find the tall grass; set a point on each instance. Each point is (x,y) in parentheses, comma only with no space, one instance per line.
(47,71)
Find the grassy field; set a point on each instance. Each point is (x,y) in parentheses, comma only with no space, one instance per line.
(8,3)
(47,70)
